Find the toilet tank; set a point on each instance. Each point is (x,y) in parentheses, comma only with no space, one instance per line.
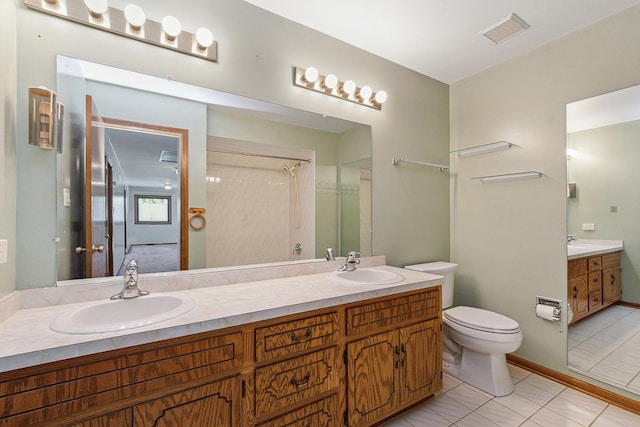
(441,268)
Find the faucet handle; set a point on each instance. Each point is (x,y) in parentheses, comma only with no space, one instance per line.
(351,257)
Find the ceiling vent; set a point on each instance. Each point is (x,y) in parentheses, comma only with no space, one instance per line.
(505,28)
(168,156)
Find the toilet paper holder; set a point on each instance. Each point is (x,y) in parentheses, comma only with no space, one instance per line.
(555,303)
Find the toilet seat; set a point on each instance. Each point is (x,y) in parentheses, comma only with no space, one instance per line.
(482,320)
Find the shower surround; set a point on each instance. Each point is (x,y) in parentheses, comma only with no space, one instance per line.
(251,207)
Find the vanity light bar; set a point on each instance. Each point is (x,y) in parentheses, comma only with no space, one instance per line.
(310,79)
(132,23)
(510,177)
(483,149)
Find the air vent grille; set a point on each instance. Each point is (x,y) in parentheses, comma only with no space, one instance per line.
(168,156)
(505,28)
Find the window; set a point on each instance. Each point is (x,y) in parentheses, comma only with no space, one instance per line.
(153,209)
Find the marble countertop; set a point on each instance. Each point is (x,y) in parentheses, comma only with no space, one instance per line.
(582,248)
(27,340)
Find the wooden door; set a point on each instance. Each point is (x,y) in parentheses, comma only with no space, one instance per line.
(96,224)
(115,419)
(218,404)
(372,365)
(420,361)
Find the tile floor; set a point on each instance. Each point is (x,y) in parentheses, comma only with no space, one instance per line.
(606,346)
(535,402)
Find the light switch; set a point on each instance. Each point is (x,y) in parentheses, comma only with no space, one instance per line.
(4,244)
(588,227)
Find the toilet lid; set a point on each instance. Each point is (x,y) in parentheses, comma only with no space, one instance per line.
(482,320)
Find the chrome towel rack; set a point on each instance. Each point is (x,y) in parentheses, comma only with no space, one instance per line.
(396,160)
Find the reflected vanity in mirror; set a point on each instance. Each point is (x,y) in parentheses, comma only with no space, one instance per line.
(276,184)
(602,209)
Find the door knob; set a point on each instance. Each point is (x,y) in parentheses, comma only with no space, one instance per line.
(99,248)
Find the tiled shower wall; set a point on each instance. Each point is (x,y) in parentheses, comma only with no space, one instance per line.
(250,210)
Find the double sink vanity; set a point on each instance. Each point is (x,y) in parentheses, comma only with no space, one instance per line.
(269,345)
(594,276)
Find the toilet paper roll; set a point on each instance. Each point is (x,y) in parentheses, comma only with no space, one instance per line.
(545,311)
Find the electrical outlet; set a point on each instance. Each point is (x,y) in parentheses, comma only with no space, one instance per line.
(4,244)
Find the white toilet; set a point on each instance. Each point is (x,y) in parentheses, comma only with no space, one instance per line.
(475,341)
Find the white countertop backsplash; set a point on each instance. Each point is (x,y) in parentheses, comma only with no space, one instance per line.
(226,297)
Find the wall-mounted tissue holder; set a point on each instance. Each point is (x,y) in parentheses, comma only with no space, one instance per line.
(549,308)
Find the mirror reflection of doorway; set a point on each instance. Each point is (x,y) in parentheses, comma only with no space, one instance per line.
(128,161)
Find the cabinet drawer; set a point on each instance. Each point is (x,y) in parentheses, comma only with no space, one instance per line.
(595,281)
(611,260)
(291,337)
(372,317)
(323,413)
(577,267)
(595,263)
(595,300)
(284,384)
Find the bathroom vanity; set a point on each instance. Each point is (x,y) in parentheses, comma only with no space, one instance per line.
(308,350)
(593,277)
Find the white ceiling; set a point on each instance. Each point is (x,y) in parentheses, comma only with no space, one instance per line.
(441,38)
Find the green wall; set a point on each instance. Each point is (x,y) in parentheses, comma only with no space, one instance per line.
(510,238)
(8,68)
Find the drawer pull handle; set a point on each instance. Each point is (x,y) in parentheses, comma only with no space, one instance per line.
(306,337)
(297,383)
(613,279)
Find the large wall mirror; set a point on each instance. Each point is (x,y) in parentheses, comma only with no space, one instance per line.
(603,140)
(271,183)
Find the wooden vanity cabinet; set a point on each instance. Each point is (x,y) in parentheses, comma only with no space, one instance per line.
(389,371)
(593,283)
(348,365)
(125,387)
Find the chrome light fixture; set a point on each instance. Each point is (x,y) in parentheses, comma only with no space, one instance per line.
(311,79)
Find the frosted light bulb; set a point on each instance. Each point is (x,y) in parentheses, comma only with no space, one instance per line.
(331,81)
(381,97)
(349,87)
(171,27)
(204,38)
(311,75)
(97,8)
(365,93)
(135,16)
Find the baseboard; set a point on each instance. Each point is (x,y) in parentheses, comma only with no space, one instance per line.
(582,386)
(628,304)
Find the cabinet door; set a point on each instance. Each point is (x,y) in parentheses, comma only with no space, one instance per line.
(372,365)
(420,361)
(611,285)
(217,404)
(579,296)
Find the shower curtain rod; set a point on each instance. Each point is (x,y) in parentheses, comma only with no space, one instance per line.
(259,155)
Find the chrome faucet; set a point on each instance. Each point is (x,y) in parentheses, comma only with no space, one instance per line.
(352,262)
(571,237)
(329,254)
(130,289)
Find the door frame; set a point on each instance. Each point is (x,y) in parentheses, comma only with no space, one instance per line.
(183,149)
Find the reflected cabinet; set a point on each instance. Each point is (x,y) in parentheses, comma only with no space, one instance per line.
(593,284)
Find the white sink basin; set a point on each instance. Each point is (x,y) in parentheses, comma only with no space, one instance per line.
(370,277)
(118,315)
